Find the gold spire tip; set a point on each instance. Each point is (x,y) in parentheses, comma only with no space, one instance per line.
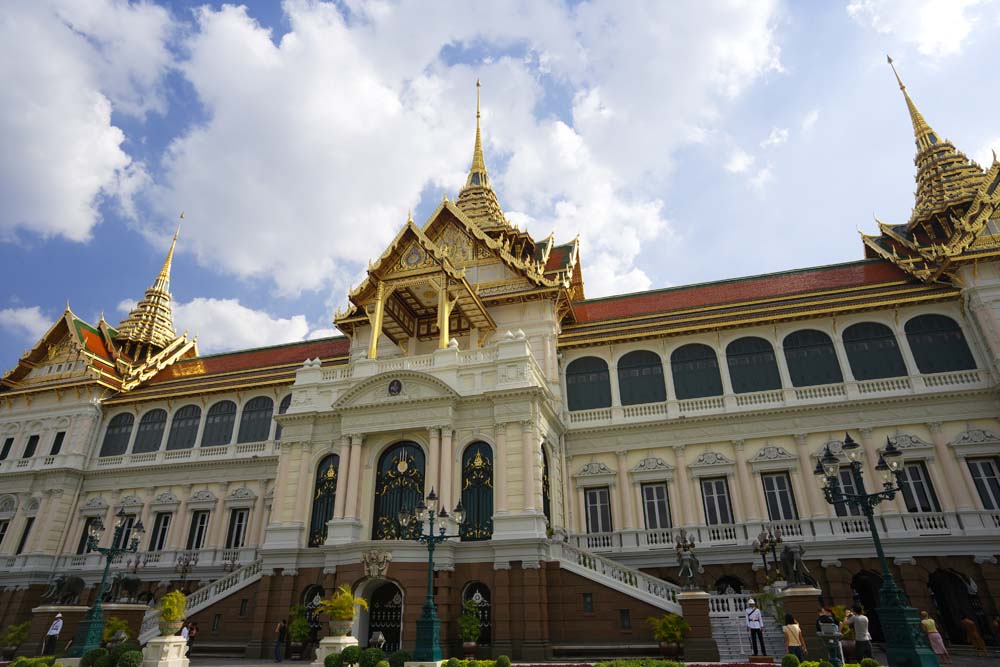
(898,80)
(409,215)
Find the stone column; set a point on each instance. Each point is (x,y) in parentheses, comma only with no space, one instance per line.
(500,469)
(699,645)
(176,534)
(688,502)
(957,485)
(254,519)
(528,454)
(811,498)
(340,500)
(616,394)
(353,501)
(36,541)
(434,462)
(624,495)
(447,467)
(751,499)
(218,521)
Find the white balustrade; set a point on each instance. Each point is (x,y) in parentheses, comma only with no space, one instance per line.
(820,392)
(707,404)
(884,386)
(728,604)
(756,398)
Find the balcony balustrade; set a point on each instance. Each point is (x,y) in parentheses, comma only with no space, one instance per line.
(209,558)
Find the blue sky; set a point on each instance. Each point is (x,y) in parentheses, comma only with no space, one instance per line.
(685,142)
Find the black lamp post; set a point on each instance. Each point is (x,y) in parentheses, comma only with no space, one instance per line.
(88,634)
(428,647)
(184,564)
(768,540)
(906,644)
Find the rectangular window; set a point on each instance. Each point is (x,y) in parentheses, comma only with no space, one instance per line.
(158,538)
(847,487)
(237,528)
(5,452)
(656,505)
(125,533)
(779,496)
(986,476)
(3,531)
(625,619)
(918,493)
(24,536)
(216,622)
(244,605)
(82,548)
(57,443)
(29,449)
(715,493)
(199,530)
(598,510)
(588,602)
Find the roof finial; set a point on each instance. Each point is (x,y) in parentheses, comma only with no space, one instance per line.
(409,215)
(477,173)
(925,136)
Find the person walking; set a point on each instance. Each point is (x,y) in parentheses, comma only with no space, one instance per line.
(52,636)
(972,635)
(795,643)
(929,627)
(857,620)
(279,644)
(192,633)
(755,625)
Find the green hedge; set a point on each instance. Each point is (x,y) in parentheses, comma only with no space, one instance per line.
(91,656)
(41,661)
(130,659)
(639,662)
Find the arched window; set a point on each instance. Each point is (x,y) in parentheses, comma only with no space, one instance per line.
(938,344)
(479,594)
(219,424)
(546,488)
(588,384)
(150,432)
(640,378)
(477,492)
(752,366)
(811,358)
(184,428)
(324,495)
(695,370)
(255,423)
(399,484)
(117,435)
(872,351)
(286,403)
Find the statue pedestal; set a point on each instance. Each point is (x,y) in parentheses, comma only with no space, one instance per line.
(41,619)
(802,603)
(699,645)
(329,646)
(165,652)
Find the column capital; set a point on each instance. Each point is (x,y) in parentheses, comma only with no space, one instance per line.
(866,431)
(934,427)
(621,453)
(357,439)
(680,449)
(800,438)
(739,444)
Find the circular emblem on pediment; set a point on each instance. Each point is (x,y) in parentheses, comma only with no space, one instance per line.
(395,387)
(414,256)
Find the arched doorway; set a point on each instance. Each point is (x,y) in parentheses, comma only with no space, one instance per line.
(311,597)
(384,614)
(479,593)
(866,585)
(951,597)
(324,497)
(729,585)
(477,492)
(399,485)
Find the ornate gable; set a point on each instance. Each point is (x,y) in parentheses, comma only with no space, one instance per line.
(395,388)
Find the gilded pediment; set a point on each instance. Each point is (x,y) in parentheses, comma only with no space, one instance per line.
(390,389)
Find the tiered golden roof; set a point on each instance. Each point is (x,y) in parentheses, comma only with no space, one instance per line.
(150,326)
(477,199)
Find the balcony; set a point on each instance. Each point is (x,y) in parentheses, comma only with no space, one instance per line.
(791,397)
(208,559)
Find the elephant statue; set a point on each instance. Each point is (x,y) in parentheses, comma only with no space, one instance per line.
(64,590)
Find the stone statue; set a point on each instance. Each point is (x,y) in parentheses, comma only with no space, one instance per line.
(376,563)
(123,586)
(793,565)
(689,566)
(64,590)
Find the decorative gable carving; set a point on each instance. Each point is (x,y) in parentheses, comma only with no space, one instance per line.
(906,441)
(8,505)
(595,468)
(391,388)
(772,453)
(652,464)
(976,436)
(203,496)
(130,501)
(96,502)
(712,459)
(166,498)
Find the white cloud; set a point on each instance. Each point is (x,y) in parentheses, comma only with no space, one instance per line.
(937,27)
(778,136)
(809,120)
(760,180)
(337,128)
(739,161)
(225,324)
(28,324)
(984,155)
(65,67)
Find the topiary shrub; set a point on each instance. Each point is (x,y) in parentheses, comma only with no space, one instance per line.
(453,662)
(130,659)
(91,656)
(370,657)
(870,662)
(382,663)
(350,656)
(123,648)
(333,660)
(103,661)
(825,663)
(503,661)
(398,658)
(790,660)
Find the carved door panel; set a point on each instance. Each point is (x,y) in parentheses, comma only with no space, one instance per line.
(385,615)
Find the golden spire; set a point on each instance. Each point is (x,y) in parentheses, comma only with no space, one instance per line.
(477,172)
(477,199)
(925,136)
(150,324)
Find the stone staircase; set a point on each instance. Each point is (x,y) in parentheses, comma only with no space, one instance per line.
(727,615)
(604,571)
(205,596)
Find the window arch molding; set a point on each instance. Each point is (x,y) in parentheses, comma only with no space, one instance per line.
(184,426)
(938,343)
(641,377)
(255,419)
(220,421)
(149,433)
(695,370)
(753,365)
(872,349)
(588,383)
(811,357)
(117,434)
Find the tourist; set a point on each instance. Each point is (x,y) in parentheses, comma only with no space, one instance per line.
(857,620)
(52,636)
(755,624)
(972,635)
(795,643)
(192,633)
(929,627)
(279,645)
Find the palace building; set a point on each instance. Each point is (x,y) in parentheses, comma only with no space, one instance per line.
(582,436)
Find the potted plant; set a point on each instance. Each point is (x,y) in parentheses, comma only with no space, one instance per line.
(341,608)
(172,606)
(669,630)
(112,626)
(469,628)
(298,630)
(12,638)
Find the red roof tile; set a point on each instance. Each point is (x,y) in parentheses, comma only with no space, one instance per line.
(93,340)
(557,258)
(855,274)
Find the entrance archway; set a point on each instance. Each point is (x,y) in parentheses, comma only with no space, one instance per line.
(951,597)
(866,585)
(384,614)
(729,585)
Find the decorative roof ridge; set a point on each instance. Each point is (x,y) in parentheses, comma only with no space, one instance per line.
(247,350)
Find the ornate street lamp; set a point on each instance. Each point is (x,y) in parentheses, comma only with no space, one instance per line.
(768,540)
(906,644)
(88,634)
(185,563)
(428,647)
